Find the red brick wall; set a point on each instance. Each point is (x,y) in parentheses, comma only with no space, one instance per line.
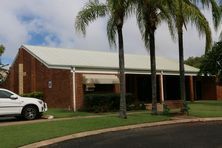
(219,91)
(79,90)
(36,78)
(208,88)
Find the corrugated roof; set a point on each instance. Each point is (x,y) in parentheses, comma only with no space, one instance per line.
(60,57)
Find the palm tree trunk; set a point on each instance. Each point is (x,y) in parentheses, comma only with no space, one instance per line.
(181,58)
(153,71)
(181,63)
(122,112)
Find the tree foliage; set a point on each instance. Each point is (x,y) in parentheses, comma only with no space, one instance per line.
(212,62)
(2,49)
(194,61)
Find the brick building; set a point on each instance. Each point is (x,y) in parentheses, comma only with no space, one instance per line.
(65,75)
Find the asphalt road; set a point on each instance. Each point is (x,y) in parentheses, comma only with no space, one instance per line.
(191,135)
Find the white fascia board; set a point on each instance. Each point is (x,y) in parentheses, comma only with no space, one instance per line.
(116,71)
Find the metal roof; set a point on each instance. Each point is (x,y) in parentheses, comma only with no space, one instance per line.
(63,58)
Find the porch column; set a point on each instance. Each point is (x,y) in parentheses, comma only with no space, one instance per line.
(161,88)
(74,87)
(191,88)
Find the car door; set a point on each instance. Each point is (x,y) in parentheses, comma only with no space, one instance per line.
(9,106)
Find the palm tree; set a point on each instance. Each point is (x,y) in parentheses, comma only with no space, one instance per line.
(184,12)
(149,14)
(116,11)
(2,50)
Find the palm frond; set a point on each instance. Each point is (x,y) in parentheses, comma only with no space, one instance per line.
(111,32)
(194,15)
(215,7)
(89,13)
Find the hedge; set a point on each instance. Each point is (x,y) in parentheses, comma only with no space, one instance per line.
(106,102)
(38,95)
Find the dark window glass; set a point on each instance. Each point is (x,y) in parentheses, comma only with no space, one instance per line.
(100,88)
(5,94)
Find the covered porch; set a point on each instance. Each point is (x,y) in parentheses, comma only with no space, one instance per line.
(168,87)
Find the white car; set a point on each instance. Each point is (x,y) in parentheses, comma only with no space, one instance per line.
(12,104)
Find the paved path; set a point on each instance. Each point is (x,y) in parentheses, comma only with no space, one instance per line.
(8,121)
(189,135)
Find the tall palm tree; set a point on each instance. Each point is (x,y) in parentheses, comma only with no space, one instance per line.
(149,15)
(2,50)
(184,12)
(116,11)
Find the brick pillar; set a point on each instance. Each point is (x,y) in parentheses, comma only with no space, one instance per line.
(79,90)
(191,88)
(219,91)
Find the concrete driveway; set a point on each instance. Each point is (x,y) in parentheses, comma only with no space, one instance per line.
(189,135)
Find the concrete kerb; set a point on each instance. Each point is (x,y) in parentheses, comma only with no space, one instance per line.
(121,128)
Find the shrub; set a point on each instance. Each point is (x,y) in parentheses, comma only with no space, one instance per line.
(38,95)
(104,102)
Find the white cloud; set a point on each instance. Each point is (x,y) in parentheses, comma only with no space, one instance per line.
(55,20)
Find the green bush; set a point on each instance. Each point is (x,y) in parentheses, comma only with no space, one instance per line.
(38,95)
(104,102)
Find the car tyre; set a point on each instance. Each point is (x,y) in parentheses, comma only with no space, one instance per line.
(30,112)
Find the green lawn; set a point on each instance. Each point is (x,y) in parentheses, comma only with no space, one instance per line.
(14,136)
(62,113)
(206,109)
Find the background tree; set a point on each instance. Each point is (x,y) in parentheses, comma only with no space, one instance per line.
(194,61)
(2,50)
(116,11)
(3,72)
(212,62)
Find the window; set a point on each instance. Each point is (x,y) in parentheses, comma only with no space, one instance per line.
(5,94)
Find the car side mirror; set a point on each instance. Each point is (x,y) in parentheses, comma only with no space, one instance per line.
(14,97)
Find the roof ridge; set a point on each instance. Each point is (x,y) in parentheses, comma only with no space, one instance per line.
(86,50)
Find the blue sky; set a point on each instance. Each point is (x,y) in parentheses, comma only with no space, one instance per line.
(51,23)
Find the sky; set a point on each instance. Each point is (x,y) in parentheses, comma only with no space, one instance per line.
(51,23)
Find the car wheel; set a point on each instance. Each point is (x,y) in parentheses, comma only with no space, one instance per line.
(30,112)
